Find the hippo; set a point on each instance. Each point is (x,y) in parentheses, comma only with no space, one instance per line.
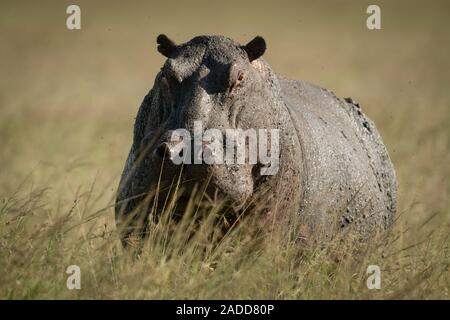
(333,170)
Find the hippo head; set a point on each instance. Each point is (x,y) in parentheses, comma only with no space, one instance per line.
(214,111)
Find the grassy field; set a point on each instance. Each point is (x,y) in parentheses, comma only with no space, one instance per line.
(67,105)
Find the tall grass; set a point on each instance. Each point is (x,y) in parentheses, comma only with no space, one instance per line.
(194,260)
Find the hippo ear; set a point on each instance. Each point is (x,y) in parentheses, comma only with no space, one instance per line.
(165,46)
(255,48)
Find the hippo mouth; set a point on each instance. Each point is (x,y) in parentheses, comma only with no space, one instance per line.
(197,198)
(219,189)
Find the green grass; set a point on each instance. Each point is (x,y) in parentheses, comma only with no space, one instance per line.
(67,104)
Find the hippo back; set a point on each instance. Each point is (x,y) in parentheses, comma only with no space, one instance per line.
(348,176)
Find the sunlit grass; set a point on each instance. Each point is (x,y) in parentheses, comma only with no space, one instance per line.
(184,261)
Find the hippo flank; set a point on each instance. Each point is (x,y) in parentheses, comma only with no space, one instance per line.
(334,170)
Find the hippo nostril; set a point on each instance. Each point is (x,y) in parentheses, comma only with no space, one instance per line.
(162,151)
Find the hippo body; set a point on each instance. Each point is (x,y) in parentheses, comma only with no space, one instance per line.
(334,170)
(345,164)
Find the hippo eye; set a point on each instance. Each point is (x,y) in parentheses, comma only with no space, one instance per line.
(236,83)
(165,86)
(167,90)
(169,84)
(171,77)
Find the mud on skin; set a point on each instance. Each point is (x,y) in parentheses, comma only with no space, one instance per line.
(334,170)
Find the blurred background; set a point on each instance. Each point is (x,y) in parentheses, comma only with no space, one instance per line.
(68,98)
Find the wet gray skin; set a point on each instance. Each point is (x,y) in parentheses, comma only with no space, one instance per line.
(334,170)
